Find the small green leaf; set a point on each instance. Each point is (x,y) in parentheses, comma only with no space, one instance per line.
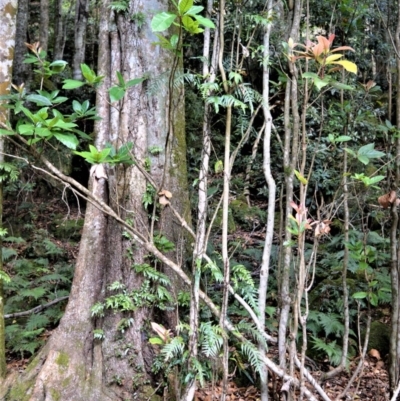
(72,84)
(120,79)
(162,21)
(194,10)
(6,132)
(116,93)
(204,21)
(88,73)
(69,140)
(134,82)
(311,75)
(156,341)
(184,5)
(300,177)
(219,166)
(360,295)
(39,100)
(343,138)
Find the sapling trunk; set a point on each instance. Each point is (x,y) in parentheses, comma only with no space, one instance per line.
(264,271)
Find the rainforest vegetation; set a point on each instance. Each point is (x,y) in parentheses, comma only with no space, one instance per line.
(199,200)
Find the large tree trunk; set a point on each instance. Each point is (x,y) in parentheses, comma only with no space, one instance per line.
(74,366)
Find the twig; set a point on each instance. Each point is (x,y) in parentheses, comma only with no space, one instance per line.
(36,309)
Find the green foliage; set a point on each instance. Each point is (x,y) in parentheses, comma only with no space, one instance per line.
(118,92)
(38,275)
(331,349)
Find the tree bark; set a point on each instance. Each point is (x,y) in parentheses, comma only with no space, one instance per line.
(44,24)
(81,17)
(21,70)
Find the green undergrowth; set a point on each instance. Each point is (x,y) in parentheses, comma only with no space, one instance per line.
(38,258)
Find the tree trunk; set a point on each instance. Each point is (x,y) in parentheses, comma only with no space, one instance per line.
(44,24)
(21,70)
(59,31)
(81,17)
(73,365)
(8,12)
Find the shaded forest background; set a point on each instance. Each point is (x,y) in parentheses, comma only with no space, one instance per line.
(304,194)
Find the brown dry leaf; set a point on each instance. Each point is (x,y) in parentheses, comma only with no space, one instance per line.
(162,332)
(374,353)
(166,193)
(163,200)
(384,201)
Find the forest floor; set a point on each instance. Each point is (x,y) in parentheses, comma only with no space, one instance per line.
(371,383)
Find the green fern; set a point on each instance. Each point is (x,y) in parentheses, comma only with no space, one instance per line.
(210,339)
(253,356)
(331,349)
(36,321)
(8,172)
(173,349)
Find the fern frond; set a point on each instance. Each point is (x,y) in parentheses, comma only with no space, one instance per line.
(210,339)
(173,349)
(253,356)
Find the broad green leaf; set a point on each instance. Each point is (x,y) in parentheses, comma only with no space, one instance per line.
(184,5)
(367,152)
(39,100)
(72,84)
(204,21)
(360,295)
(162,21)
(69,140)
(116,93)
(347,65)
